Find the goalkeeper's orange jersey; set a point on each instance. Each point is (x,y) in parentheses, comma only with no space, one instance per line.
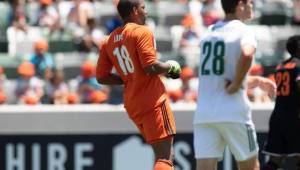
(130,49)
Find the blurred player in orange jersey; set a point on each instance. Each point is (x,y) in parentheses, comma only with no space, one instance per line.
(131,50)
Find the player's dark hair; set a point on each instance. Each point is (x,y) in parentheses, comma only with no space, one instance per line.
(230,5)
(293,46)
(125,7)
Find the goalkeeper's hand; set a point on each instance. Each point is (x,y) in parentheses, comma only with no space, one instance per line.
(175,70)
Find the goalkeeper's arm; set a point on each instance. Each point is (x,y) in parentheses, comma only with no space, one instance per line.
(170,67)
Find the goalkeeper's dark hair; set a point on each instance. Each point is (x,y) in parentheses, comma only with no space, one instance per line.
(293,46)
(230,5)
(125,7)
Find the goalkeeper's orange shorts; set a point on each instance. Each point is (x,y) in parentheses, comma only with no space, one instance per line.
(157,124)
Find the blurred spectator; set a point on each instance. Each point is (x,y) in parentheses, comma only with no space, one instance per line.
(209,18)
(190,36)
(189,42)
(73,98)
(48,16)
(195,7)
(56,90)
(184,90)
(211,12)
(17,15)
(188,89)
(79,15)
(183,2)
(2,82)
(256,94)
(98,96)
(90,38)
(87,87)
(175,95)
(113,23)
(42,60)
(296,16)
(29,89)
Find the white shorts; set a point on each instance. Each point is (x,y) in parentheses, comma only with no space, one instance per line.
(210,140)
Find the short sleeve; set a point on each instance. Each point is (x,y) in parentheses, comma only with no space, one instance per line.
(104,65)
(145,46)
(248,38)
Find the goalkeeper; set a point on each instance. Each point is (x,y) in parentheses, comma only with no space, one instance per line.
(130,49)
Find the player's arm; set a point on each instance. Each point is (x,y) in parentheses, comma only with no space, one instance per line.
(265,84)
(104,68)
(242,67)
(145,44)
(157,68)
(171,68)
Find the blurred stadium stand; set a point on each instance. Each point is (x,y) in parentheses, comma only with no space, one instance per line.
(275,13)
(271,25)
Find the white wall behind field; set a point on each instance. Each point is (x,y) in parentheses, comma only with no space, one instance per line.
(96,119)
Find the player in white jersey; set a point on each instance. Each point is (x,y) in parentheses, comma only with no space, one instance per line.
(223,115)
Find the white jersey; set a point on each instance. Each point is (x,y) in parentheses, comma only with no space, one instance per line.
(220,51)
